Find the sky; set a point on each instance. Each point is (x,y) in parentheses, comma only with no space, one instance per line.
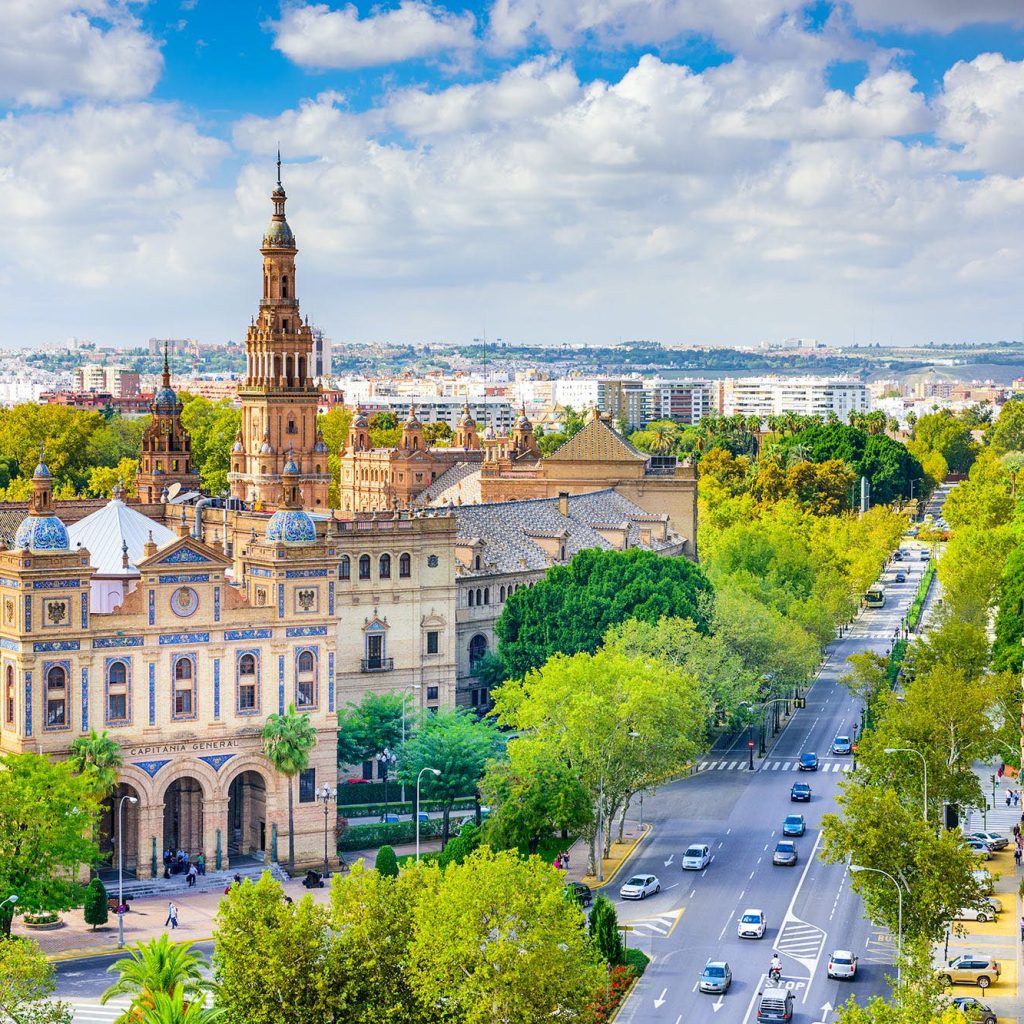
(719,172)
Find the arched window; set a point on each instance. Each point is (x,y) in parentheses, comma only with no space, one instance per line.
(247,701)
(284,286)
(117,692)
(183,670)
(56,698)
(477,649)
(364,567)
(476,562)
(404,566)
(471,598)
(479,596)
(385,567)
(487,595)
(9,695)
(501,595)
(345,568)
(306,661)
(305,680)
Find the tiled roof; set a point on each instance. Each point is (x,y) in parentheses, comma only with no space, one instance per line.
(506,527)
(597,442)
(107,529)
(459,484)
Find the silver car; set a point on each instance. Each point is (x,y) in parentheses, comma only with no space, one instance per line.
(986,910)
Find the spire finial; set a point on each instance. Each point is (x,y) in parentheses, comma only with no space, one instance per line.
(279,165)
(167,367)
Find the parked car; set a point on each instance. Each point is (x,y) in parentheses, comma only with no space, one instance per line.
(808,762)
(970,969)
(842,745)
(785,854)
(752,924)
(842,964)
(775,1004)
(986,910)
(794,825)
(579,893)
(979,848)
(984,880)
(697,857)
(639,887)
(897,556)
(716,977)
(975,1010)
(994,840)
(800,791)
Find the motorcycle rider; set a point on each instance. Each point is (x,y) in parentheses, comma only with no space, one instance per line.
(775,967)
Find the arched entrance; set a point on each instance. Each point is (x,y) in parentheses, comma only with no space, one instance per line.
(247,815)
(107,841)
(183,816)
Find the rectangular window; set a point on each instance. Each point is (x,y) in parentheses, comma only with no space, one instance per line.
(117,707)
(307,786)
(247,697)
(431,693)
(475,697)
(56,713)
(368,770)
(183,703)
(432,644)
(9,705)
(304,693)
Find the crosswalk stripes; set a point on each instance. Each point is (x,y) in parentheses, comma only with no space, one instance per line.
(658,926)
(800,939)
(774,766)
(94,1013)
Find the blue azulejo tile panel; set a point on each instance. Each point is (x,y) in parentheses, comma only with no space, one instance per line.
(152,767)
(85,700)
(216,689)
(330,681)
(56,584)
(104,642)
(305,574)
(152,694)
(28,703)
(330,598)
(152,607)
(280,685)
(85,611)
(216,604)
(183,555)
(258,571)
(248,634)
(184,638)
(280,600)
(299,631)
(28,614)
(186,577)
(49,646)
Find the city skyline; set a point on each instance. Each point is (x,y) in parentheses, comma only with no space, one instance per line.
(747,171)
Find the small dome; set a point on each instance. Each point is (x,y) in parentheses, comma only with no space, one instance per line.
(165,401)
(266,448)
(522,423)
(278,233)
(42,533)
(411,422)
(320,445)
(360,419)
(291,467)
(237,447)
(41,471)
(466,420)
(291,526)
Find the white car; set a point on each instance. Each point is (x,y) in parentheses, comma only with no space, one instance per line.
(842,964)
(979,848)
(752,924)
(986,910)
(640,886)
(697,857)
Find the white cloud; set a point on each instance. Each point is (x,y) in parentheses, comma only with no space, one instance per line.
(935,15)
(318,36)
(52,49)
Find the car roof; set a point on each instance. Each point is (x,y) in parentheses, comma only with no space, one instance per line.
(775,993)
(752,910)
(798,815)
(717,963)
(786,842)
(842,952)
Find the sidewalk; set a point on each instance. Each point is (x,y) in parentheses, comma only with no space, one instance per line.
(196,913)
(579,854)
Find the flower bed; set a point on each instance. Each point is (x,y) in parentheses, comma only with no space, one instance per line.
(621,980)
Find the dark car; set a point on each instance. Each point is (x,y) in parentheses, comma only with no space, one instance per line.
(794,825)
(580,893)
(800,791)
(808,761)
(785,854)
(974,1010)
(901,577)
(897,556)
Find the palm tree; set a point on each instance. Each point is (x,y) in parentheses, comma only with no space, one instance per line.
(174,1009)
(287,741)
(158,967)
(99,756)
(663,436)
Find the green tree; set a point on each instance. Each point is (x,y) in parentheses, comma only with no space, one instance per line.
(1007,433)
(437,434)
(176,1009)
(274,962)
(95,907)
(867,679)
(604,930)
(65,433)
(978,505)
(948,435)
(950,644)
(572,607)
(386,862)
(383,421)
(334,424)
(48,819)
(372,726)
(158,966)
(496,942)
(1007,651)
(28,983)
(104,480)
(456,744)
(119,438)
(97,757)
(461,846)
(287,741)
(970,570)
(212,427)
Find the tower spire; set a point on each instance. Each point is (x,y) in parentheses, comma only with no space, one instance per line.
(167,368)
(279,165)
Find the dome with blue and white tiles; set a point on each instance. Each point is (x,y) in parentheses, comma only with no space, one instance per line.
(291,526)
(41,530)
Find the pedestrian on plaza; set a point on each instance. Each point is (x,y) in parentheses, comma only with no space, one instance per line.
(237,879)
(201,864)
(1022,927)
(565,860)
(172,916)
(1002,768)
(1009,796)
(191,875)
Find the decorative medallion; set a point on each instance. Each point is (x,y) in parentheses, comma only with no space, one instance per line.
(184,601)
(432,561)
(216,761)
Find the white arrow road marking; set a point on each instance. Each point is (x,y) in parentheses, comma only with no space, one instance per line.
(660,1001)
(717,1004)
(671,856)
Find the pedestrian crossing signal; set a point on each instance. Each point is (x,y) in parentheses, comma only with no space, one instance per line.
(800,702)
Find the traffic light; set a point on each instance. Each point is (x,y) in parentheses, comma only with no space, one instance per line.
(800,702)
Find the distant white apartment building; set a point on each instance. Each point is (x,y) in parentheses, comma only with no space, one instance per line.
(114,380)
(638,400)
(683,401)
(806,396)
(487,410)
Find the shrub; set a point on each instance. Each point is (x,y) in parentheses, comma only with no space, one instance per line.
(359,837)
(375,810)
(386,864)
(95,907)
(604,930)
(459,848)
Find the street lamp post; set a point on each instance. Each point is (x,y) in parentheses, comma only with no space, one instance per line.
(387,758)
(899,913)
(415,686)
(418,777)
(924,766)
(325,794)
(120,869)
(600,830)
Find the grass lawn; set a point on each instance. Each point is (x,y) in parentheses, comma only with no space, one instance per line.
(549,846)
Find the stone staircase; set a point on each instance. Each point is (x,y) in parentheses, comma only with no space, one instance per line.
(177,885)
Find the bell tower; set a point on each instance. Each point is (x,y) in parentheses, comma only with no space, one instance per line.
(279,397)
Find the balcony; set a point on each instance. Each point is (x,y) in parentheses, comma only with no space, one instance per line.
(377,665)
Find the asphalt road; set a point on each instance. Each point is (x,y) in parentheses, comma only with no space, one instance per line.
(810,908)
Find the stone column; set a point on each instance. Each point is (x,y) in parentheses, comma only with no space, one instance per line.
(151,826)
(215,819)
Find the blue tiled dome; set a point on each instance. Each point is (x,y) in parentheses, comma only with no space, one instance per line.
(165,400)
(42,533)
(278,233)
(291,526)
(291,467)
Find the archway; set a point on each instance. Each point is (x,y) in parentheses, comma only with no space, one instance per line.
(247,815)
(107,839)
(183,816)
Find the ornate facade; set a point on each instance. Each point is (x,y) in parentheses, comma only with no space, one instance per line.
(279,395)
(166,456)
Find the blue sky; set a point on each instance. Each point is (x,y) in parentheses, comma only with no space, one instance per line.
(707,171)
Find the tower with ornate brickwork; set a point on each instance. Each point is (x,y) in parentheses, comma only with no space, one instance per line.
(166,456)
(279,397)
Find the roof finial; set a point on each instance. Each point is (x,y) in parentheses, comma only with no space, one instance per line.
(167,367)
(279,165)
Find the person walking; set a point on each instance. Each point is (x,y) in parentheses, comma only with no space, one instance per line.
(1016,798)
(172,916)
(1017,853)
(1022,927)
(201,863)
(1009,796)
(192,874)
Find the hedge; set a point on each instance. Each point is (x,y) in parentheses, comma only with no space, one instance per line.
(917,605)
(359,837)
(396,807)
